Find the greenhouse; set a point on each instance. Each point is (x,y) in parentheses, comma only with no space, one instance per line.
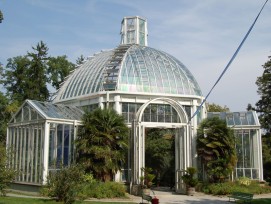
(41,136)
(149,87)
(247,130)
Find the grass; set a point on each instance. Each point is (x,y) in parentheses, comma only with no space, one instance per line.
(19,200)
(262,201)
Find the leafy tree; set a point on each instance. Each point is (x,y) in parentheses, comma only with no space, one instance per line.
(102,142)
(6,110)
(58,68)
(3,117)
(216,148)
(27,77)
(263,107)
(36,83)
(1,16)
(212,107)
(80,60)
(15,78)
(159,154)
(7,175)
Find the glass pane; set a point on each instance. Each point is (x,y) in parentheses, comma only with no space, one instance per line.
(248,173)
(59,144)
(240,173)
(66,145)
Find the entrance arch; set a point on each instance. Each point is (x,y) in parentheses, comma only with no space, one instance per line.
(182,141)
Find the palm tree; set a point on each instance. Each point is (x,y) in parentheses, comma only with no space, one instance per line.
(102,143)
(216,148)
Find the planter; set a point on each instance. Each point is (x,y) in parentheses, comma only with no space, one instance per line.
(146,191)
(190,191)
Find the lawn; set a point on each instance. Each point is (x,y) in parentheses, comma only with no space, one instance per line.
(15,200)
(262,201)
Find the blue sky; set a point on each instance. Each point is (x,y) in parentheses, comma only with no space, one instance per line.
(203,35)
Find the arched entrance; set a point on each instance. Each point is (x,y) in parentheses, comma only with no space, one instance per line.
(182,141)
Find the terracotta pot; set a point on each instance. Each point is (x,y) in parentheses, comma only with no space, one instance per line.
(190,191)
(146,191)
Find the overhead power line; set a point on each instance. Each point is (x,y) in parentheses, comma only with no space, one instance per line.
(229,63)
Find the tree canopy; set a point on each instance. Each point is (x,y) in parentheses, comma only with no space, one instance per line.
(216,148)
(102,143)
(6,110)
(212,107)
(263,107)
(1,16)
(28,76)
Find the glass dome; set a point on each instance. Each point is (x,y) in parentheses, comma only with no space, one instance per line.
(130,68)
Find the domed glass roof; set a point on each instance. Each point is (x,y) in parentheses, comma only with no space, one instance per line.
(130,68)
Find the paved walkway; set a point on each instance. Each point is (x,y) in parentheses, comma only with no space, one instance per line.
(170,198)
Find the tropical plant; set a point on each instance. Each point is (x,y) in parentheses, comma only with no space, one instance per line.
(216,148)
(189,177)
(102,143)
(147,177)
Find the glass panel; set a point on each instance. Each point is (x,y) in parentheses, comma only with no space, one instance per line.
(51,148)
(168,114)
(230,119)
(246,147)
(248,173)
(174,116)
(59,144)
(161,113)
(19,116)
(240,173)
(243,119)
(239,149)
(237,120)
(66,145)
(153,112)
(250,118)
(71,156)
(34,114)
(255,174)
(26,113)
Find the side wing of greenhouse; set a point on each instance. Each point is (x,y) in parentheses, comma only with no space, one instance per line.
(247,130)
(40,136)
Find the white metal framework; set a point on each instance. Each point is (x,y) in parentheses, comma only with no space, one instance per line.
(247,130)
(41,136)
(130,68)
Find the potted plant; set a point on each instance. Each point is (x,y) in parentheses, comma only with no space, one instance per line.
(146,179)
(190,180)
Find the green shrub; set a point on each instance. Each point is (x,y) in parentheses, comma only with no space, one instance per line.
(7,175)
(64,184)
(100,190)
(230,187)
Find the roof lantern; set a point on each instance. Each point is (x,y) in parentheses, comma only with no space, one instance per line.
(134,31)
